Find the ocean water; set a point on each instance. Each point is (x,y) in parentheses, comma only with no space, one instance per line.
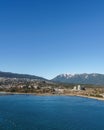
(27,112)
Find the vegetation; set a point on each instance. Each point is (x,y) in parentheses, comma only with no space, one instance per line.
(15,85)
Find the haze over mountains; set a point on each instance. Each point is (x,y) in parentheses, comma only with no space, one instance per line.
(94,78)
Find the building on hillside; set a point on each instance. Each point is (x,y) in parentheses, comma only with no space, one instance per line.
(75,88)
(59,91)
(78,88)
(35,86)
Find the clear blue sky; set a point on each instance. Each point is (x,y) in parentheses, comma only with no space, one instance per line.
(50,37)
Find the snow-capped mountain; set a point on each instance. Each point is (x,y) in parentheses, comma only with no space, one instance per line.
(85,78)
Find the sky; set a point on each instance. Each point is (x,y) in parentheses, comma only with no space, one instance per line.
(50,37)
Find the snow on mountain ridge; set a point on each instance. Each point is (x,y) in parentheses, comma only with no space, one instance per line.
(85,75)
(84,78)
(67,75)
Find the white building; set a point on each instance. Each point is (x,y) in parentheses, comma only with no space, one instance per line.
(78,88)
(35,87)
(75,88)
(59,90)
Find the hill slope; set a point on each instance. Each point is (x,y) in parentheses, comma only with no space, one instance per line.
(16,75)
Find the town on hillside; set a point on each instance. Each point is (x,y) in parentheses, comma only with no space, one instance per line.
(36,86)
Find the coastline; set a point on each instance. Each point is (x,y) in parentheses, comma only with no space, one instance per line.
(90,97)
(49,94)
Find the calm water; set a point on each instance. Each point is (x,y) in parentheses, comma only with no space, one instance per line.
(21,112)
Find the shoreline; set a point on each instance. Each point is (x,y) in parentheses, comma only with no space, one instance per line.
(90,97)
(49,94)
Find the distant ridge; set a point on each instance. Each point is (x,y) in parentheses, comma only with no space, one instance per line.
(16,75)
(93,78)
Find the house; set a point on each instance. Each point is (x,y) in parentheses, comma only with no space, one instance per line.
(57,90)
(35,87)
(75,88)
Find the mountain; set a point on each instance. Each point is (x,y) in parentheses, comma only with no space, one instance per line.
(94,78)
(16,75)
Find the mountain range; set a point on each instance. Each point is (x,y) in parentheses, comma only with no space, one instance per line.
(94,78)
